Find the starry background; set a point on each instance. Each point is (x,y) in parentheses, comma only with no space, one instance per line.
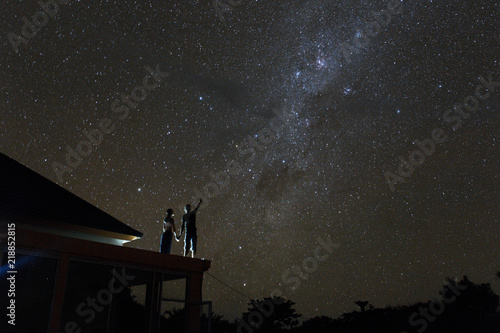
(320,175)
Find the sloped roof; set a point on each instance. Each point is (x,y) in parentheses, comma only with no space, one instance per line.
(28,196)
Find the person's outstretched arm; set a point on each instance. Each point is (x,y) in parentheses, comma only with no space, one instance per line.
(197,206)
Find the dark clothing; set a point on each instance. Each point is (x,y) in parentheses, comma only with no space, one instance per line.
(189,223)
(166,238)
(189,220)
(166,241)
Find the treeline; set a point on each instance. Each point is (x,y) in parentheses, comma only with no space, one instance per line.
(463,306)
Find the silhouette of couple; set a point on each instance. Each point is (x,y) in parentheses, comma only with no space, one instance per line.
(188,228)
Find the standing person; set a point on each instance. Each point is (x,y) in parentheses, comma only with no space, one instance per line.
(189,227)
(168,231)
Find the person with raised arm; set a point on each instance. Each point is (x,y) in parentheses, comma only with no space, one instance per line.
(189,228)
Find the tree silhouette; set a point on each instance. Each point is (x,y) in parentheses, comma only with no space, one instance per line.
(362,305)
(174,321)
(128,315)
(271,314)
(473,310)
(318,324)
(218,324)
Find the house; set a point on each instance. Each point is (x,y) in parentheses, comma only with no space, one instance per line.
(65,269)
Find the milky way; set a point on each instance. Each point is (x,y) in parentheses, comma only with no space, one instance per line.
(285,117)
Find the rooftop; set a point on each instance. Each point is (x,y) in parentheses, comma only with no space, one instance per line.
(36,203)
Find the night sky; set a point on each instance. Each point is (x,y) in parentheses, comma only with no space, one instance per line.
(301,110)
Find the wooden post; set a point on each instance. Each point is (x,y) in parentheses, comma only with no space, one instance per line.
(58,298)
(194,299)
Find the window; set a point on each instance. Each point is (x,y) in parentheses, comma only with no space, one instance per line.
(173,304)
(106,299)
